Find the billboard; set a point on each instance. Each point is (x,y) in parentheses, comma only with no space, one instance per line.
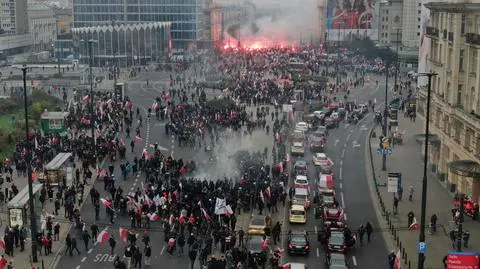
(347,18)
(463,260)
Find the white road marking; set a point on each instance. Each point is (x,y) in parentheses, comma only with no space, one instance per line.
(131,188)
(316,229)
(163,249)
(343,200)
(83,259)
(336,142)
(341,186)
(134,183)
(343,154)
(345,216)
(90,250)
(341,163)
(345,145)
(318,252)
(354,261)
(340,173)
(348,136)
(346,126)
(355,144)
(78,267)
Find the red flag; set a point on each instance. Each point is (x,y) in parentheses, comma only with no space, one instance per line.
(183,170)
(106,202)
(287,266)
(123,234)
(205,214)
(267,192)
(414,225)
(138,138)
(398,261)
(103,236)
(145,154)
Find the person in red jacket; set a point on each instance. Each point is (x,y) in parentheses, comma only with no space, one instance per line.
(3,262)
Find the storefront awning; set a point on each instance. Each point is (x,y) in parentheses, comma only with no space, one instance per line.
(432,138)
(466,168)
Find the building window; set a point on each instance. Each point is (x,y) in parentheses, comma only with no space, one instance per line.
(462,25)
(460,64)
(459,96)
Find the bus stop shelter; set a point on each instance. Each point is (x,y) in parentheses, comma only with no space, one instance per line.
(18,206)
(59,171)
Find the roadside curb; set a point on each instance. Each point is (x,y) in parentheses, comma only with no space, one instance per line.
(380,209)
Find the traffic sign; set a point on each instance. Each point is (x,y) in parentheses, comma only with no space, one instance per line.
(421,247)
(387,151)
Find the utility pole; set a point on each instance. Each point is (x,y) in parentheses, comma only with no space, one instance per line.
(421,238)
(385,118)
(397,68)
(31,198)
(326,52)
(92,114)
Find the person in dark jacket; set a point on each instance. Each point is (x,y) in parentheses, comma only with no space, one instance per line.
(138,259)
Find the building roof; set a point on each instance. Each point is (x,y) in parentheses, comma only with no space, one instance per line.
(54,115)
(453,7)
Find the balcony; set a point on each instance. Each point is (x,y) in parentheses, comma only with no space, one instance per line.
(445,34)
(450,36)
(473,39)
(432,32)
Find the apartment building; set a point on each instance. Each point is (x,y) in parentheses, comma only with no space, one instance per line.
(454,34)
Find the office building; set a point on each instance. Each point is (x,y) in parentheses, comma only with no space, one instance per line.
(185,16)
(399,29)
(43,28)
(454,41)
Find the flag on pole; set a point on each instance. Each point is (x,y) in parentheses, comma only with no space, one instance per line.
(123,234)
(414,225)
(103,236)
(205,214)
(106,202)
(154,217)
(86,99)
(398,261)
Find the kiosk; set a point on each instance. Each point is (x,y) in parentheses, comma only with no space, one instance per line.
(54,122)
(59,171)
(18,206)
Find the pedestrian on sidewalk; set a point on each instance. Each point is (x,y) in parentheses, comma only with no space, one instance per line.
(112,243)
(395,205)
(466,237)
(410,217)
(68,242)
(433,223)
(410,193)
(86,238)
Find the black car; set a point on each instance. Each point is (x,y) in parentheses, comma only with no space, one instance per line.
(298,243)
(338,242)
(300,168)
(316,144)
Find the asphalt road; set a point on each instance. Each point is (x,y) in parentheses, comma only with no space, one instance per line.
(345,147)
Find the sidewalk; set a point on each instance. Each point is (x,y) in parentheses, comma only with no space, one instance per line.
(22,260)
(408,160)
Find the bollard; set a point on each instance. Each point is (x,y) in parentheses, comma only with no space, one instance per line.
(392,229)
(409,265)
(394,233)
(398,239)
(400,245)
(388,218)
(406,258)
(404,254)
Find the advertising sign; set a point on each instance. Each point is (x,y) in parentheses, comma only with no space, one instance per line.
(394,182)
(352,18)
(463,260)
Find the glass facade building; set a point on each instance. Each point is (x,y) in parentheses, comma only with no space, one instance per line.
(184,16)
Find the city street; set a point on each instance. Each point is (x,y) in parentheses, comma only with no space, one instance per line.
(345,147)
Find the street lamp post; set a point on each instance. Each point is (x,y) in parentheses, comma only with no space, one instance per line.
(421,238)
(385,119)
(396,59)
(326,52)
(92,114)
(33,221)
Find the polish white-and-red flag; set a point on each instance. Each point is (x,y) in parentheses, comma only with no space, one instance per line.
(228,210)
(155,106)
(86,99)
(398,261)
(154,217)
(145,154)
(414,225)
(205,214)
(103,236)
(106,202)
(138,138)
(265,244)
(123,234)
